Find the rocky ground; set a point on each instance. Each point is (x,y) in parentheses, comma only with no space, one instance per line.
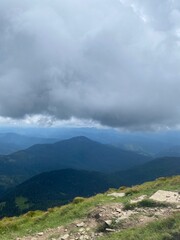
(111,218)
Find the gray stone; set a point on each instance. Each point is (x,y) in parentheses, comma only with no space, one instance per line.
(139,199)
(81,230)
(40,234)
(80,224)
(166,196)
(115,194)
(108,222)
(66,236)
(110,230)
(118,210)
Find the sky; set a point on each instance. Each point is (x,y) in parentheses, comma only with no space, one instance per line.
(112,63)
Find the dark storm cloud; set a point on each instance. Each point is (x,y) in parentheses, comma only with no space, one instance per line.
(112,61)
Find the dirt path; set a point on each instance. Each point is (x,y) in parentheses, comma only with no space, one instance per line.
(103,219)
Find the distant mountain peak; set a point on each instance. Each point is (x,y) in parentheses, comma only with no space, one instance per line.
(81,138)
(77,139)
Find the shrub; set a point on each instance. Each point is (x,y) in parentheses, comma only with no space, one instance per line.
(78,200)
(30,214)
(161,179)
(110,190)
(148,203)
(51,210)
(122,188)
(131,191)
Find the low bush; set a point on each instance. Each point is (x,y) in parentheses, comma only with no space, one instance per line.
(78,200)
(131,191)
(146,203)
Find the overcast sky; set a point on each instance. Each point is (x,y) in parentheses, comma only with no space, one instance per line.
(114,62)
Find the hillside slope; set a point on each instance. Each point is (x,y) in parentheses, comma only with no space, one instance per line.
(173,151)
(160,167)
(105,217)
(52,189)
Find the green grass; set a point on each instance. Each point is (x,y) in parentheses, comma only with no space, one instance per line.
(37,221)
(149,188)
(32,222)
(146,203)
(166,229)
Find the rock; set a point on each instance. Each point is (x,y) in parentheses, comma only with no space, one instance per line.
(100,234)
(80,224)
(108,222)
(166,196)
(66,236)
(86,237)
(118,210)
(81,230)
(115,194)
(139,199)
(122,218)
(40,234)
(110,230)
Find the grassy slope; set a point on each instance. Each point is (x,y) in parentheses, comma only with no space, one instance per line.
(166,229)
(32,222)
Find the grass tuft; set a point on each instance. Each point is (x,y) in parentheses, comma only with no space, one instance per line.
(146,203)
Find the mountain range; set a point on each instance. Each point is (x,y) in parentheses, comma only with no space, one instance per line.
(61,186)
(150,143)
(46,175)
(77,153)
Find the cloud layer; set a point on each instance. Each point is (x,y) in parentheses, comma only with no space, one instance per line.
(113,61)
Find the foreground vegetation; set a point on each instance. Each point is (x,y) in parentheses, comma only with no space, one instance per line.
(166,229)
(37,221)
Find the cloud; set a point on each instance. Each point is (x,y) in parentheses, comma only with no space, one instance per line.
(110,61)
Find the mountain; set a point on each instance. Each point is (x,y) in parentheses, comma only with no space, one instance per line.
(160,167)
(173,151)
(76,153)
(53,188)
(13,142)
(149,143)
(59,187)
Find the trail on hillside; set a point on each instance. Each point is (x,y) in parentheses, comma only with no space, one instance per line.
(113,217)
